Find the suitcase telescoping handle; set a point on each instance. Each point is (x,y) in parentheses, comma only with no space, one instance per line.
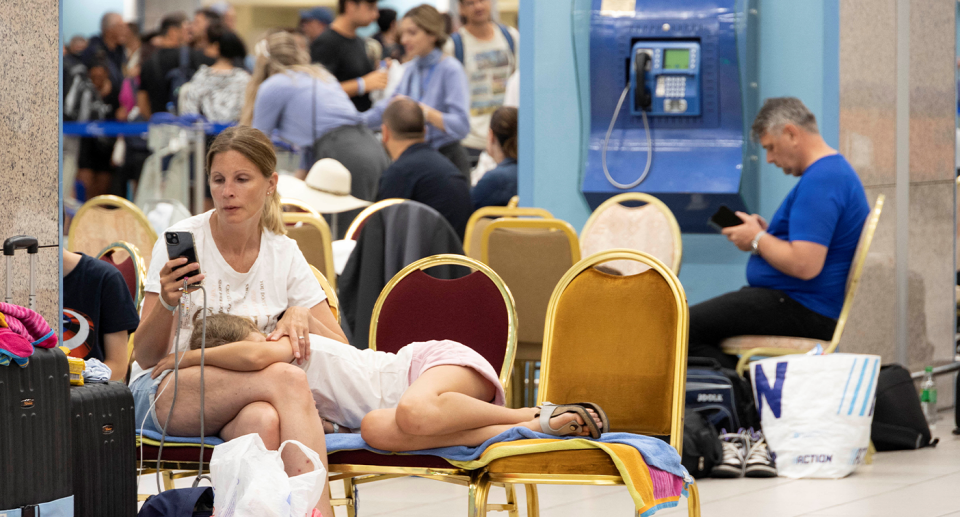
(10,246)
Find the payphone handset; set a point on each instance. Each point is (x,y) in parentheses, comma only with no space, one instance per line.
(665,78)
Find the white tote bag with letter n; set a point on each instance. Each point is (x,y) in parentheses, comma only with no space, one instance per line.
(816,411)
(249,480)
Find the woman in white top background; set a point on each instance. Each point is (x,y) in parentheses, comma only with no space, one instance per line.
(216,91)
(249,268)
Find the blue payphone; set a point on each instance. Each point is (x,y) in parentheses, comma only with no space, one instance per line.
(665,78)
(673,91)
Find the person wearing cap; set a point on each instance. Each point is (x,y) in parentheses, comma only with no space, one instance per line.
(314,21)
(419,172)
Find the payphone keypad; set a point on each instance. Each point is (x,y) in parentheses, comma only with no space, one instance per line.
(671,76)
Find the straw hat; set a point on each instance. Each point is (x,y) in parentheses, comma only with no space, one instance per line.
(326,189)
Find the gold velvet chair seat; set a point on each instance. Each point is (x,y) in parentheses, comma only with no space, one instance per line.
(618,341)
(650,228)
(748,347)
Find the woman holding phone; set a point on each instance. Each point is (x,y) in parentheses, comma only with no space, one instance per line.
(251,269)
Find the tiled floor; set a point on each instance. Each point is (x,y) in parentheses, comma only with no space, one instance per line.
(924,483)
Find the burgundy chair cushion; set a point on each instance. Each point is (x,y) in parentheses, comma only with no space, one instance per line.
(386,460)
(187,454)
(469,310)
(127,269)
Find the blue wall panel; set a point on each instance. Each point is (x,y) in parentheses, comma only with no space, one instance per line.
(799,56)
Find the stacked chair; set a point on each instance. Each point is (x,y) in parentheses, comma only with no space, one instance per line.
(105,220)
(650,228)
(530,250)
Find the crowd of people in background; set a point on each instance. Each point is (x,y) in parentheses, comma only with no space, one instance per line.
(321,87)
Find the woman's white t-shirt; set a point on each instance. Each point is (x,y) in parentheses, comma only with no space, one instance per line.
(280,278)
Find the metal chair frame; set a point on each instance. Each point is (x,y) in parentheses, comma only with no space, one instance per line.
(853,283)
(357,223)
(619,199)
(498,472)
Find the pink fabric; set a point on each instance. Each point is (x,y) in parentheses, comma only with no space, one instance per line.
(15,344)
(428,354)
(29,324)
(665,484)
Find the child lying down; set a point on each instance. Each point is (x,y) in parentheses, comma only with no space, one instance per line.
(427,395)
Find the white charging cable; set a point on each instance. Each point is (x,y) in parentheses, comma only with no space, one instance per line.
(177,358)
(606,141)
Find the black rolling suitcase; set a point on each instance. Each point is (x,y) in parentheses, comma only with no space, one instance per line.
(104,450)
(35,449)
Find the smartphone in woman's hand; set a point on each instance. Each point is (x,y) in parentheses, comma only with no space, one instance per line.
(180,244)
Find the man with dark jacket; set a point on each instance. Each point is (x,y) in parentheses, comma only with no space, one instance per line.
(419,172)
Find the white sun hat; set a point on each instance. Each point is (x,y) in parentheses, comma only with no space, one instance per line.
(326,189)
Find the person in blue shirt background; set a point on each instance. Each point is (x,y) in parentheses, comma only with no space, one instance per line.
(497,186)
(434,80)
(801,259)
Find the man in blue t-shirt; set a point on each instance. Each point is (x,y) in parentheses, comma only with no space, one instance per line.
(798,272)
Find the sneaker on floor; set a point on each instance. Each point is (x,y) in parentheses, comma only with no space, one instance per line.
(760,462)
(734,456)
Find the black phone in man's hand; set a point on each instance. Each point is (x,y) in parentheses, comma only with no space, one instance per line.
(724,218)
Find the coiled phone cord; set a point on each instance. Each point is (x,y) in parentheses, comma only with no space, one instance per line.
(606,142)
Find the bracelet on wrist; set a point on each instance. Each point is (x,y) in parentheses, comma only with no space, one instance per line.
(171,308)
(361,86)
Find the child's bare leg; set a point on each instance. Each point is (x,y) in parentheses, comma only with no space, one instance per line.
(447,399)
(380,430)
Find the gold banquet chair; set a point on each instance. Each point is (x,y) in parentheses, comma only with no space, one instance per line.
(476,310)
(104,220)
(290,205)
(531,255)
(126,258)
(484,216)
(748,347)
(328,290)
(618,341)
(651,228)
(313,238)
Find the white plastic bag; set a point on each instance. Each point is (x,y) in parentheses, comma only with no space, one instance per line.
(249,480)
(816,411)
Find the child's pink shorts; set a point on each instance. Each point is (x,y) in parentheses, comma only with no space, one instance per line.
(428,354)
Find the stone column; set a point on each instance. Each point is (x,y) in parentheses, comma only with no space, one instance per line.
(29,145)
(868,98)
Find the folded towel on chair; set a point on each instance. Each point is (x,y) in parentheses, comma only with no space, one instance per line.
(650,468)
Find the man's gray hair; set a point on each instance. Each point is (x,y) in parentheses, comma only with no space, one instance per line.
(108,20)
(780,111)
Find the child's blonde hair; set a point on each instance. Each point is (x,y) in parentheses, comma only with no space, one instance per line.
(221,329)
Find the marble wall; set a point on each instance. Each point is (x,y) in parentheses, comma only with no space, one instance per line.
(868,96)
(29,144)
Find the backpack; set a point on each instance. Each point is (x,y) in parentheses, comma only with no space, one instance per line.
(724,398)
(176,78)
(898,421)
(701,445)
(458,42)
